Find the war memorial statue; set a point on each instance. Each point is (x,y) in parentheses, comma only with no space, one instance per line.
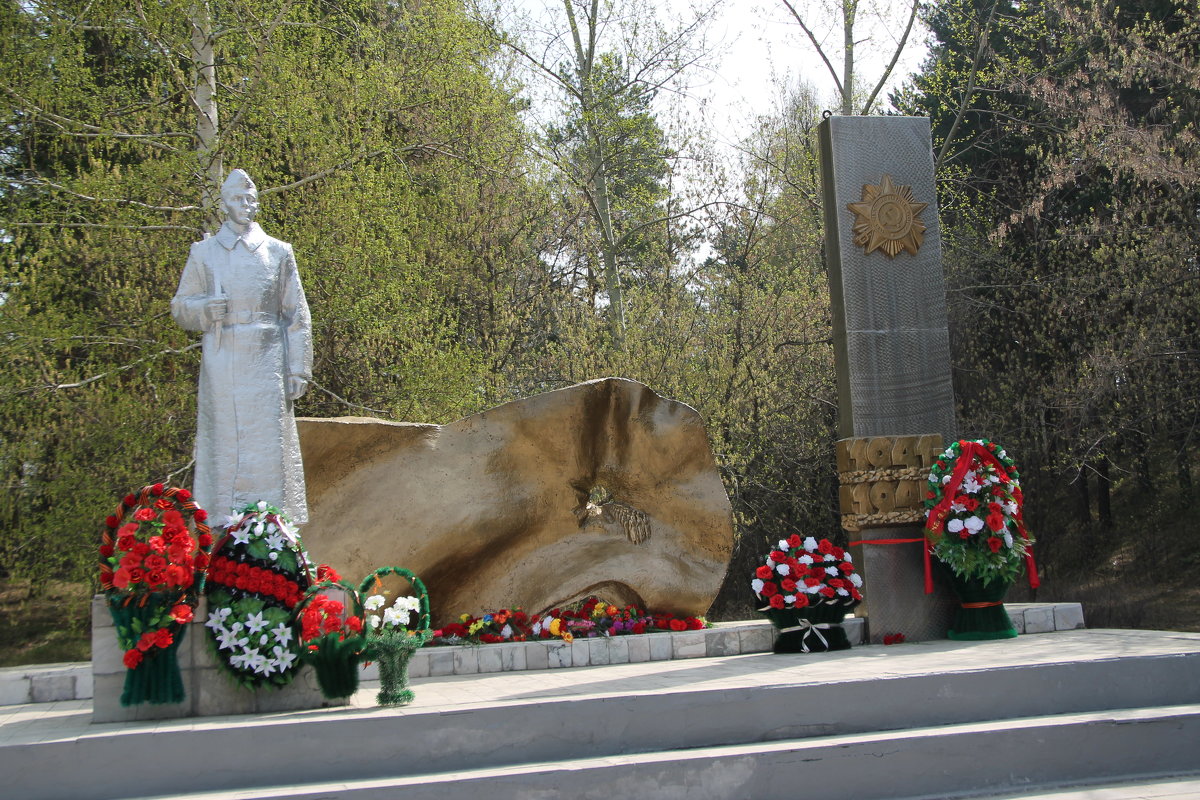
(242,289)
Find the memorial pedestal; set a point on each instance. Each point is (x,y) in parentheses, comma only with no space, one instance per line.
(208,691)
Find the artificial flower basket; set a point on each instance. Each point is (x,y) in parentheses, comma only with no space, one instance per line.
(806,587)
(390,641)
(975,527)
(331,642)
(153,555)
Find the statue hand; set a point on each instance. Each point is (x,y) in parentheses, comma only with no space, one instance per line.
(216,308)
(296,387)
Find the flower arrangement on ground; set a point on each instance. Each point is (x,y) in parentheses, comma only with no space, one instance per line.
(592,617)
(975,527)
(153,555)
(394,631)
(258,575)
(807,587)
(331,635)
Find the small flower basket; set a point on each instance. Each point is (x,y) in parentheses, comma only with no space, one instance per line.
(390,640)
(332,642)
(153,555)
(975,527)
(807,587)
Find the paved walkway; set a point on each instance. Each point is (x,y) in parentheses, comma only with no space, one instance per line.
(70,720)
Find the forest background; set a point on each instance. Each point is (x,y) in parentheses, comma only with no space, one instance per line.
(486,209)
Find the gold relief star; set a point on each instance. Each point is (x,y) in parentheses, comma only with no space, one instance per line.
(888,219)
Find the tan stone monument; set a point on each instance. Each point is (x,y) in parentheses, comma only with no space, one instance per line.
(601,488)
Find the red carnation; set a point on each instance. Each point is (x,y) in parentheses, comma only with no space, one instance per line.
(788,585)
(694,624)
(764,572)
(995,543)
(777,601)
(182,614)
(846,567)
(163,638)
(827,591)
(201,515)
(354,624)
(327,573)
(136,575)
(130,500)
(106,550)
(146,642)
(680,625)
(639,628)
(778,556)
(184,495)
(111,521)
(206,540)
(995,522)
(825,546)
(128,529)
(855,593)
(801,601)
(156,489)
(964,534)
(795,541)
(145,514)
(768,589)
(132,658)
(163,503)
(971,503)
(811,581)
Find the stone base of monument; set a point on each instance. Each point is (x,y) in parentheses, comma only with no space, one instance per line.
(209,691)
(934,719)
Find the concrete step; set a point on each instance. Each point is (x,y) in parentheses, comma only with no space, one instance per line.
(566,716)
(942,762)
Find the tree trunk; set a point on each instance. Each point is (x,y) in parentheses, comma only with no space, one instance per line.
(1104,494)
(210,170)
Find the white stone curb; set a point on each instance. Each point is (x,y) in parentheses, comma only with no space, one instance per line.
(48,683)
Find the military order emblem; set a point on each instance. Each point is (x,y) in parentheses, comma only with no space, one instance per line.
(888,219)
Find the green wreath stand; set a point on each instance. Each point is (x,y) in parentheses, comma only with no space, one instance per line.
(394,649)
(813,629)
(156,679)
(336,656)
(981,614)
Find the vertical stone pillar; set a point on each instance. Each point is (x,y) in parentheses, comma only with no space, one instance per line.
(891,344)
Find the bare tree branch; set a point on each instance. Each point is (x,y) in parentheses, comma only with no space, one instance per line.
(812,38)
(102,375)
(912,16)
(135,203)
(969,93)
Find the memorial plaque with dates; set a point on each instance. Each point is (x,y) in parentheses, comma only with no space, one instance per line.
(892,351)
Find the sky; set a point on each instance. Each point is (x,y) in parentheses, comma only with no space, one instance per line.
(755,49)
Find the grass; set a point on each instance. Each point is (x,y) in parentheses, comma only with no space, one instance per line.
(44,624)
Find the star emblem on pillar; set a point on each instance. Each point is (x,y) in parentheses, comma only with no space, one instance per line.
(888,219)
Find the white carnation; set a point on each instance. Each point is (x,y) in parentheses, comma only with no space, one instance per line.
(973,524)
(756,585)
(955,525)
(783,569)
(856,579)
(805,559)
(810,543)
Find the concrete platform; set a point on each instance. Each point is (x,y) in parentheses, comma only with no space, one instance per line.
(935,719)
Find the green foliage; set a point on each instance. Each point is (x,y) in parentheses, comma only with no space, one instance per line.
(1069,203)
